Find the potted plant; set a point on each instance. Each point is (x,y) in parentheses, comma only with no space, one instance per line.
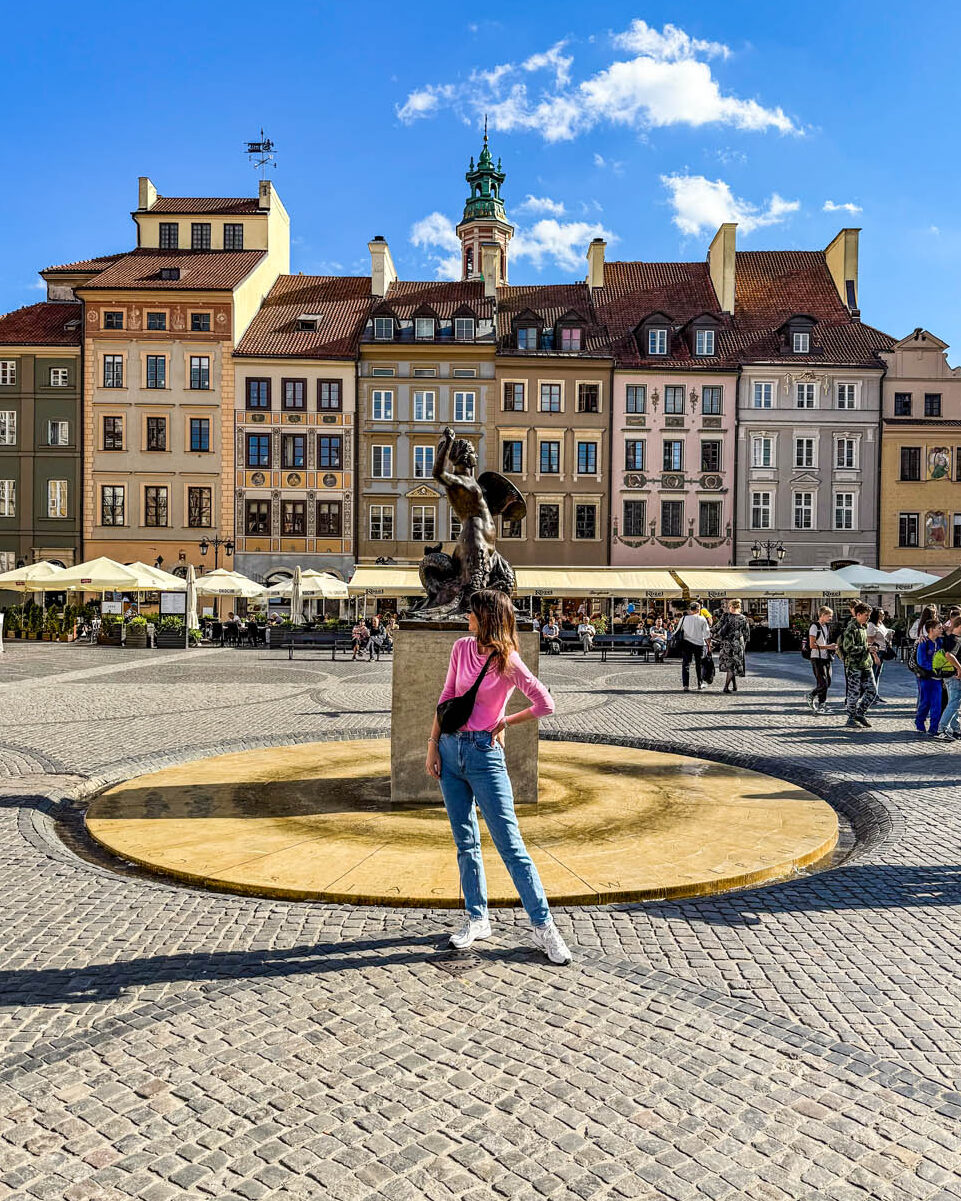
(137,632)
(13,622)
(171,633)
(52,626)
(34,621)
(111,630)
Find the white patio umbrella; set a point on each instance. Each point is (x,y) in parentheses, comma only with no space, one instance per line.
(100,575)
(229,583)
(192,622)
(313,585)
(155,580)
(39,577)
(296,603)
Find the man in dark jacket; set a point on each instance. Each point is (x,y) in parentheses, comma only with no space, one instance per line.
(860,692)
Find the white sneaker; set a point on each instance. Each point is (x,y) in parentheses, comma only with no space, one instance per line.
(472,930)
(548,939)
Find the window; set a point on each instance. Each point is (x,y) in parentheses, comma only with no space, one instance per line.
(801,343)
(634,454)
(550,398)
(424,328)
(200,323)
(112,504)
(293,518)
(847,452)
(511,529)
(763,395)
(956,539)
(803,452)
(382,462)
(760,510)
(155,505)
(762,451)
(902,404)
(585,521)
(804,510)
(306,324)
(156,321)
(704,341)
(170,273)
(8,498)
(588,398)
(200,235)
(932,404)
(657,341)
(548,521)
(113,433)
(329,396)
(464,373)
(156,371)
(844,510)
(330,519)
(113,370)
(550,458)
(672,518)
(636,398)
(293,450)
(8,428)
(673,457)
(384,329)
(381,522)
(258,393)
(382,406)
(423,523)
(257,517)
(527,337)
(423,406)
(233,235)
(910,463)
(59,377)
(709,519)
(169,235)
(587,458)
(846,396)
(571,337)
(200,434)
(385,371)
(464,406)
(673,399)
(711,456)
(156,433)
(199,372)
(330,452)
(294,393)
(8,371)
(804,396)
(635,519)
(513,398)
(423,462)
(513,457)
(258,450)
(464,329)
(113,320)
(711,400)
(425,372)
(58,433)
(199,507)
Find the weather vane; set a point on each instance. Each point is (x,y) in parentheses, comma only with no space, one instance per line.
(261,154)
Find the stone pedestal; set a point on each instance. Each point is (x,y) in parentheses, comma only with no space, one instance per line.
(421,655)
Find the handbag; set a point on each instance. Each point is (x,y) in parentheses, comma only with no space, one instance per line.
(453,714)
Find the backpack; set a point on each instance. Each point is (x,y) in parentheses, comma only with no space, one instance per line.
(914,666)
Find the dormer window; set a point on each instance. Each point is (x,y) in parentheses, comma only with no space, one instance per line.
(704,342)
(801,342)
(527,337)
(384,329)
(657,341)
(464,329)
(170,273)
(571,337)
(307,323)
(424,329)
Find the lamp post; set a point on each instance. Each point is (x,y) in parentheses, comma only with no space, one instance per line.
(768,549)
(217,543)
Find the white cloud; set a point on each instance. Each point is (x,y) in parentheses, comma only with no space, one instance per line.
(435,235)
(846,207)
(933,229)
(542,204)
(667,82)
(616,165)
(39,285)
(563,243)
(702,204)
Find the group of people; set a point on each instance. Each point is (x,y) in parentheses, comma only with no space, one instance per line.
(698,633)
(373,637)
(654,628)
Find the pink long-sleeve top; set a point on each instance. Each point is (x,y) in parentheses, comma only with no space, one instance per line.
(495,690)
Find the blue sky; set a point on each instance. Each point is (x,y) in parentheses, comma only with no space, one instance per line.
(609,120)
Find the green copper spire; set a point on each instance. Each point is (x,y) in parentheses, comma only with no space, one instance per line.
(485,182)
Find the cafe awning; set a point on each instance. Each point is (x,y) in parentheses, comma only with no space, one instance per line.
(714,585)
(385,581)
(594,581)
(941,592)
(869,579)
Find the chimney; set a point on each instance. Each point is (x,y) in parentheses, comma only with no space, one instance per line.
(721,263)
(266,193)
(146,193)
(842,260)
(382,271)
(595,263)
(491,268)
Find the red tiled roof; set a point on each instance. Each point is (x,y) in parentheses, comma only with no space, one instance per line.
(184,205)
(550,302)
(772,285)
(405,297)
(841,344)
(216,269)
(95,264)
(340,305)
(43,324)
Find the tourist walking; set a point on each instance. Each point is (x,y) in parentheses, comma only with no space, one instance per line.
(929,679)
(822,655)
(949,726)
(879,640)
(586,632)
(694,634)
(465,751)
(859,662)
(731,635)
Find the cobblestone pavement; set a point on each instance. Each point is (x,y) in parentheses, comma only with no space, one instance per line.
(797,1041)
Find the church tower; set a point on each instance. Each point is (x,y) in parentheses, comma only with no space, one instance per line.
(485,232)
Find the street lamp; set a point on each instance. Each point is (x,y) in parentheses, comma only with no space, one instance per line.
(217,543)
(768,549)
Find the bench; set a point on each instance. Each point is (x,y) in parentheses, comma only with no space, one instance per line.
(347,646)
(632,645)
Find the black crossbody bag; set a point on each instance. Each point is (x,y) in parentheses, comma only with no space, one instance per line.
(455,713)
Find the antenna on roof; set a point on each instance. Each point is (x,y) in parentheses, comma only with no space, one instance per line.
(261,154)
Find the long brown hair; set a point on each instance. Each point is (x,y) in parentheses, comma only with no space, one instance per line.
(496,627)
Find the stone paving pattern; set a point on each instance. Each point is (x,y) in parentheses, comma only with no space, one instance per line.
(796,1041)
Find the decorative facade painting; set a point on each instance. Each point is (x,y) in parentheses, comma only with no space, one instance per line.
(939,463)
(936,529)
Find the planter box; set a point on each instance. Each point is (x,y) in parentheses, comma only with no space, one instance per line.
(137,639)
(109,639)
(171,642)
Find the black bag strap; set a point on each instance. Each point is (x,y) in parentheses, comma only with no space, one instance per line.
(471,693)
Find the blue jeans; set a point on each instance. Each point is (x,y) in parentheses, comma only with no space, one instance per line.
(473,768)
(949,718)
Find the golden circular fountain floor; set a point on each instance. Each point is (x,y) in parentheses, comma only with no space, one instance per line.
(315,822)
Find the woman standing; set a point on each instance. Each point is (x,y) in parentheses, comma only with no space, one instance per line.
(879,639)
(731,634)
(471,767)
